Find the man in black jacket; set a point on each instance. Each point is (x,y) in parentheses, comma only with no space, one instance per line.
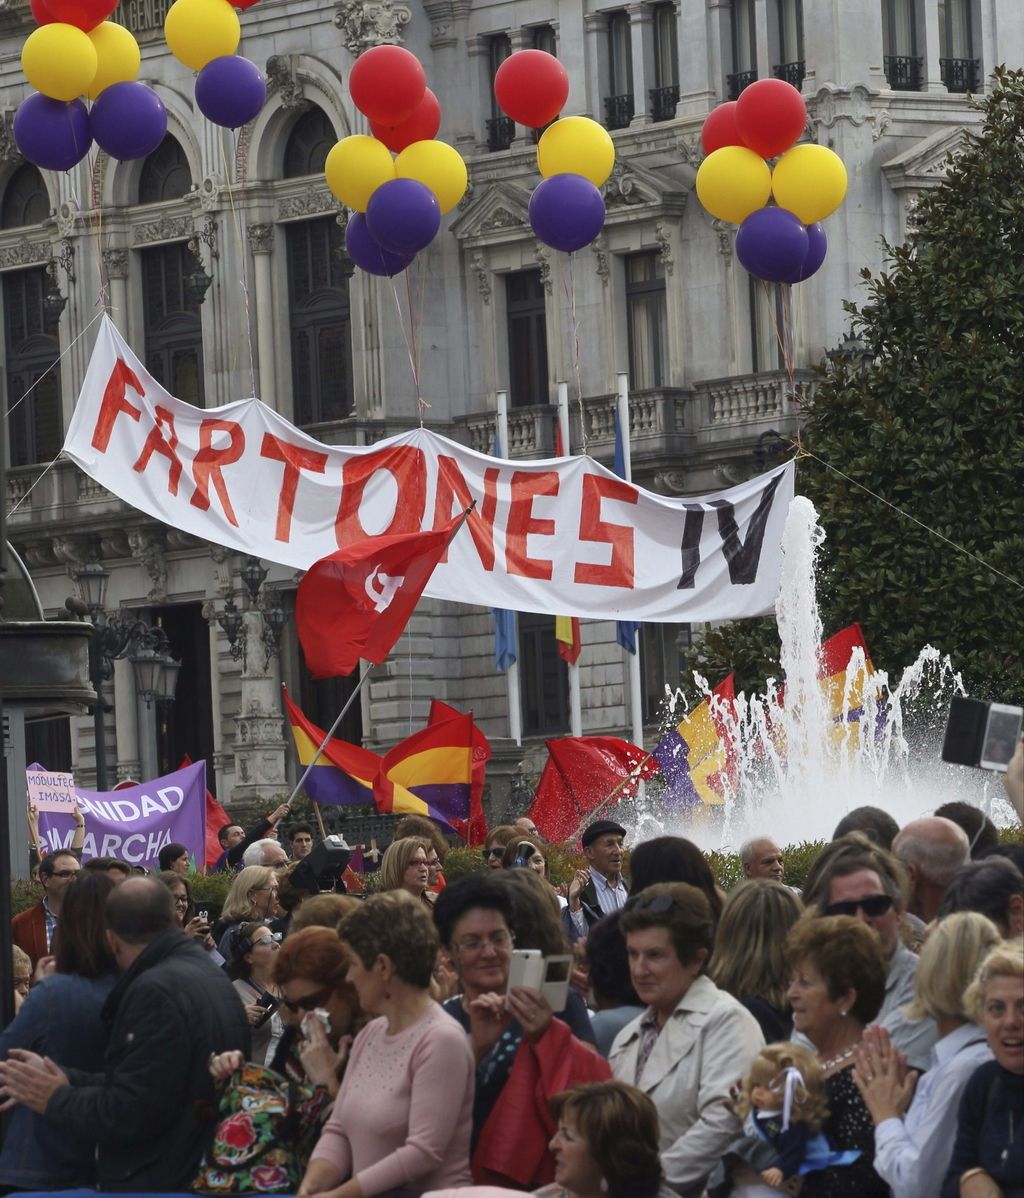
(153,1112)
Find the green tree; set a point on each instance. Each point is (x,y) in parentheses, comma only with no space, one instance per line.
(934,425)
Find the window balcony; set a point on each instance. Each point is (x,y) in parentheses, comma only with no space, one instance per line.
(500,132)
(960,75)
(618,111)
(663,102)
(903,71)
(790,72)
(738,81)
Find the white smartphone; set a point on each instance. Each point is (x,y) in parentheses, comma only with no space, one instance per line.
(1002,731)
(549,975)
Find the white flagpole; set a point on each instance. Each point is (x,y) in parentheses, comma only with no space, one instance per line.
(575,701)
(515,711)
(632,659)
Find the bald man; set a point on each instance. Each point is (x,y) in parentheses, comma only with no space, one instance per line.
(762,858)
(931,849)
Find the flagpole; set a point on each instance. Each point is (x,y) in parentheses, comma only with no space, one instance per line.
(632,659)
(515,710)
(632,776)
(328,735)
(575,699)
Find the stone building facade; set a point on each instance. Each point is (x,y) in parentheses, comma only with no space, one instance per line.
(221,259)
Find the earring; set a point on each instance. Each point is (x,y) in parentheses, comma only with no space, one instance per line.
(604,1185)
(842,1014)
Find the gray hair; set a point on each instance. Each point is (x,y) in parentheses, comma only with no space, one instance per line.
(254,854)
(748,846)
(937,859)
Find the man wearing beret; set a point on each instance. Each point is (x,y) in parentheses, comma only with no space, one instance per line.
(599,889)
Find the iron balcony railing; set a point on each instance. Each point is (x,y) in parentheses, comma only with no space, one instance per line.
(618,111)
(791,72)
(903,71)
(663,102)
(738,81)
(500,132)
(960,75)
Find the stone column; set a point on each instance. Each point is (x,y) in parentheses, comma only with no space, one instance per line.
(701,74)
(259,740)
(641,41)
(115,268)
(596,26)
(261,243)
(126,736)
(930,48)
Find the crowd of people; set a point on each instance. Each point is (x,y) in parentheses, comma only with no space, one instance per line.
(862,1036)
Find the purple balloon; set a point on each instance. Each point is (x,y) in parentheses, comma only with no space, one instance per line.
(566,212)
(368,254)
(230,91)
(128,120)
(817,245)
(51,134)
(772,244)
(403,216)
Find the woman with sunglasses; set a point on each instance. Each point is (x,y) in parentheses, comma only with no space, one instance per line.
(254,948)
(496,843)
(693,1040)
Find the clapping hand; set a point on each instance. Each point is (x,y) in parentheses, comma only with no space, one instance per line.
(576,886)
(880,1074)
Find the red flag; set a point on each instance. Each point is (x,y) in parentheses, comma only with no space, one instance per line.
(580,774)
(567,634)
(356,603)
(473,830)
(216,818)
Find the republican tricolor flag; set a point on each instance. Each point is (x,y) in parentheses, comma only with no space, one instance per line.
(696,756)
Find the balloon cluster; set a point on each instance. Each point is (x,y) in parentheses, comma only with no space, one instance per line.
(397,202)
(204,35)
(575,155)
(781,242)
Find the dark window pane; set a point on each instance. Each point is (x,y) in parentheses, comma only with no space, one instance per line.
(544,676)
(25,199)
(173,329)
(647,320)
(527,338)
(499,47)
(165,174)
(309,143)
(32,349)
(661,649)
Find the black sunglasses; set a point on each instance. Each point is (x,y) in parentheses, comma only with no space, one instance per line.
(497,851)
(872,905)
(657,904)
(310,1002)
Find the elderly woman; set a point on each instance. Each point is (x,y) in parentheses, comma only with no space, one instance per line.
(254,948)
(405,866)
(524,1052)
(988,1156)
(749,961)
(253,895)
(837,982)
(912,1153)
(693,1041)
(402,1116)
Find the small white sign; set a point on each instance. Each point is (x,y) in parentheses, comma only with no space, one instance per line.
(51,792)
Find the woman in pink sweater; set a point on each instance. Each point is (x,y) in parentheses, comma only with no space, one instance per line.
(404,1112)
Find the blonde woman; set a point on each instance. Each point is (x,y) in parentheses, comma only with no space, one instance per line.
(405,866)
(252,897)
(749,961)
(912,1151)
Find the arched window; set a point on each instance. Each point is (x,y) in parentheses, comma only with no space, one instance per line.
(25,199)
(318,295)
(165,174)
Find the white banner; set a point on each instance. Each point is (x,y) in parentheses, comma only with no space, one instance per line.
(560,535)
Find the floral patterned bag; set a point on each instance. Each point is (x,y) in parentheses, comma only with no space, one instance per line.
(268,1127)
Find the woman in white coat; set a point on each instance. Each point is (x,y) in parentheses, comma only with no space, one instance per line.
(694,1041)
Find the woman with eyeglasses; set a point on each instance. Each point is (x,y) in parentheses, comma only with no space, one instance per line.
(251,969)
(404,866)
(191,924)
(693,1041)
(496,843)
(524,1052)
(253,896)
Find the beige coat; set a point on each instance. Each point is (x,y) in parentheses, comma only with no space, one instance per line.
(706,1047)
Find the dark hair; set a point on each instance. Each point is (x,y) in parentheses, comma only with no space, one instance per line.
(425,829)
(100,865)
(849,855)
(982,833)
(673,859)
(140,910)
(170,879)
(468,893)
(877,825)
(295,829)
(683,910)
(986,887)
(222,833)
(536,922)
(512,854)
(398,926)
(79,941)
(501,835)
(240,943)
(47,864)
(848,955)
(1012,852)
(619,1125)
(171,852)
(608,963)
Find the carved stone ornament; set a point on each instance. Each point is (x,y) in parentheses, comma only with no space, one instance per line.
(483,277)
(147,546)
(599,248)
(543,257)
(364,23)
(167,228)
(67,218)
(209,194)
(501,218)
(71,550)
(833,104)
(670,482)
(310,203)
(664,248)
(690,149)
(282,79)
(9,151)
(621,191)
(115,264)
(724,232)
(25,253)
(261,238)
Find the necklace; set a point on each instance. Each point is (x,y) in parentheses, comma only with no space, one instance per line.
(829,1065)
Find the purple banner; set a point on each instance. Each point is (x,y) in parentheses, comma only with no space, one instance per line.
(135,823)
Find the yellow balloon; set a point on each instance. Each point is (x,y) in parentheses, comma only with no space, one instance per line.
(197,31)
(733,182)
(356,167)
(576,145)
(438,166)
(118,56)
(59,61)
(809,181)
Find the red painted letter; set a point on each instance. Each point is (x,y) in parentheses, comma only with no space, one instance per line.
(156,443)
(522,522)
(405,463)
(113,402)
(451,486)
(209,463)
(295,459)
(619,571)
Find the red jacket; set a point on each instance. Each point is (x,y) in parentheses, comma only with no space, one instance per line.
(513,1143)
(28,931)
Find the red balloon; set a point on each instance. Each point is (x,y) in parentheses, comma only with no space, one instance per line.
(770,116)
(421,126)
(84,14)
(243,3)
(532,87)
(40,13)
(720,128)
(386,84)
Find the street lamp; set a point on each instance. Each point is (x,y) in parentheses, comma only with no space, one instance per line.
(231,620)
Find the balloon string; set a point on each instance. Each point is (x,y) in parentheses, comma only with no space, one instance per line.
(53,365)
(243,256)
(413,326)
(405,334)
(575,325)
(784,336)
